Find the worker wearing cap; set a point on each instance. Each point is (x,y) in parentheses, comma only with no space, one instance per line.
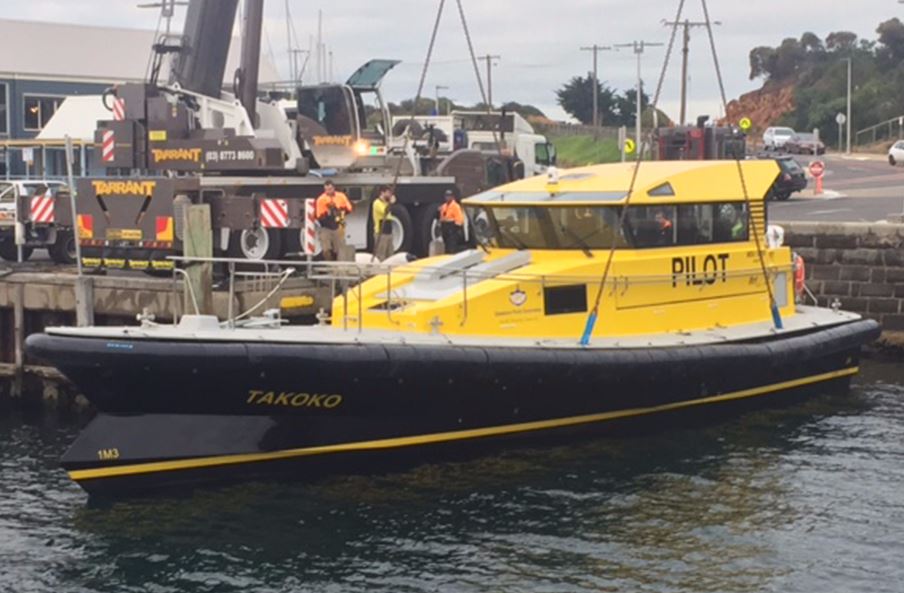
(330,210)
(451,221)
(382,218)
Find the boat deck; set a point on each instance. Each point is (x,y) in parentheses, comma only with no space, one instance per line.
(208,329)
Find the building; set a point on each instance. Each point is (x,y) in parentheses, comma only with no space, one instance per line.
(43,63)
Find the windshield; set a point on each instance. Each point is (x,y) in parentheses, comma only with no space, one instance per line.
(784,132)
(324,111)
(562,227)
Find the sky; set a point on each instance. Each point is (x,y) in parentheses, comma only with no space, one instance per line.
(538,41)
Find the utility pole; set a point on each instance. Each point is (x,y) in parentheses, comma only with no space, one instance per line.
(687,25)
(639,47)
(439,88)
(849,106)
(596,49)
(489,60)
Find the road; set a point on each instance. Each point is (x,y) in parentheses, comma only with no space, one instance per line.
(858,189)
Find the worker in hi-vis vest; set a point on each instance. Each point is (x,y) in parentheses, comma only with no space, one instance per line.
(330,210)
(382,216)
(452,223)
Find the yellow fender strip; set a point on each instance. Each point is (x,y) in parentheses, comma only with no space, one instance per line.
(442,437)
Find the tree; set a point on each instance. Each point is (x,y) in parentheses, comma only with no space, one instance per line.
(811,43)
(841,41)
(762,62)
(891,40)
(576,98)
(524,110)
(626,106)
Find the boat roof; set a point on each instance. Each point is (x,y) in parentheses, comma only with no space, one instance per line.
(658,182)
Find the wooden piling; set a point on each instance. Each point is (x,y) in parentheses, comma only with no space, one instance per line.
(84,301)
(18,340)
(198,242)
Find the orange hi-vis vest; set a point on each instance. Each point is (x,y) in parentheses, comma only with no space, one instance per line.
(451,212)
(338,200)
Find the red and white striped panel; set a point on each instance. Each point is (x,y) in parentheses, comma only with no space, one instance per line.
(274,214)
(108,146)
(119,109)
(309,239)
(42,209)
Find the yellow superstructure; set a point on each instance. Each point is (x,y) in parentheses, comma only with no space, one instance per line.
(685,258)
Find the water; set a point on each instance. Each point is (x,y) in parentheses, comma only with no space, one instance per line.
(803,499)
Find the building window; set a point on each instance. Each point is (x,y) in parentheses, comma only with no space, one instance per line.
(39,110)
(4,113)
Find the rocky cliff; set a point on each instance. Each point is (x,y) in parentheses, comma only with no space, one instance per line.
(765,106)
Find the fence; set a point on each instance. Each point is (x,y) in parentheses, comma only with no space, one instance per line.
(891,129)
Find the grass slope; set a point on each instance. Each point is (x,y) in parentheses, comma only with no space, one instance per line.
(576,151)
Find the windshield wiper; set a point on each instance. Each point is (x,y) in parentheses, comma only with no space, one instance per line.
(513,238)
(577,239)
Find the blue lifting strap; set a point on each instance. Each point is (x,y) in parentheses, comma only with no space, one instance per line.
(588,328)
(776,317)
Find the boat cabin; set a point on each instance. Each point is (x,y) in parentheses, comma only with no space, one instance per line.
(680,236)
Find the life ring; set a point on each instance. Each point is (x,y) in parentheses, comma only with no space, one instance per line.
(800,274)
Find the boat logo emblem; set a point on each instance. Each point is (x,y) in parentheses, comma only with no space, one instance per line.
(518,297)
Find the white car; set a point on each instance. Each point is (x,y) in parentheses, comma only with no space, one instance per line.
(896,153)
(775,138)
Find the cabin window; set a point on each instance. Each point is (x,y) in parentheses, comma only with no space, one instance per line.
(687,224)
(324,111)
(533,227)
(731,222)
(559,300)
(542,154)
(597,227)
(7,193)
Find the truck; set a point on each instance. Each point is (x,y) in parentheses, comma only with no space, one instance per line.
(489,132)
(700,142)
(255,160)
(35,214)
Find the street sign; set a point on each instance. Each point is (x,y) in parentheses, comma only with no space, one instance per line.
(629,146)
(840,119)
(745,123)
(817,169)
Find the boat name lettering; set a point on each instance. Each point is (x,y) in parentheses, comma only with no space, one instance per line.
(176,154)
(124,188)
(293,399)
(712,269)
(108,454)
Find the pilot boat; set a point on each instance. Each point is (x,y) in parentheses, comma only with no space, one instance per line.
(593,296)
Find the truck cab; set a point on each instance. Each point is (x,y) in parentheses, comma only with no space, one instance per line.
(343,126)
